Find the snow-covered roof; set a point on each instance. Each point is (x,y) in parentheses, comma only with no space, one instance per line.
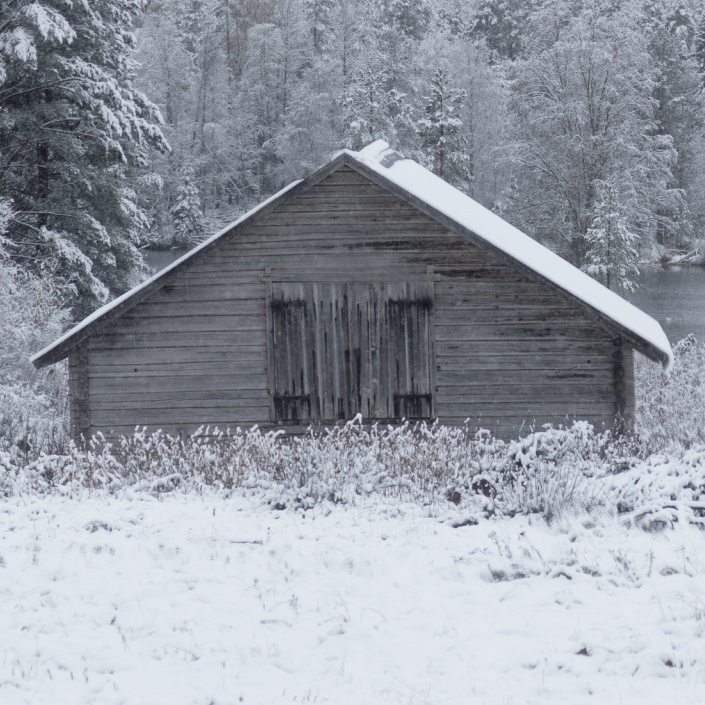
(426,189)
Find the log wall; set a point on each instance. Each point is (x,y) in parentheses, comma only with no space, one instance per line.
(508,351)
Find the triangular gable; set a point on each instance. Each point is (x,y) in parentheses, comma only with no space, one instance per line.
(445,204)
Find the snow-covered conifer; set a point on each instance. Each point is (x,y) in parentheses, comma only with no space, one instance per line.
(409,17)
(186,213)
(443,142)
(75,133)
(611,255)
(501,23)
(319,12)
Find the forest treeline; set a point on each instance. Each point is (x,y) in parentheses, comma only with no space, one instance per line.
(126,124)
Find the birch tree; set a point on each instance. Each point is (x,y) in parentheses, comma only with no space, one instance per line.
(584,113)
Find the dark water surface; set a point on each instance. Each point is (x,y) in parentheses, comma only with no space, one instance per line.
(158,259)
(675,296)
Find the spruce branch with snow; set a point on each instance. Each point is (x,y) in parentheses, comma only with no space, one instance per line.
(75,134)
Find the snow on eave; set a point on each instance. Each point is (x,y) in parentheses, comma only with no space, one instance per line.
(425,186)
(104,311)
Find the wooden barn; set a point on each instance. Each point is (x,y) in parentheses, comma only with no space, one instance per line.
(371,287)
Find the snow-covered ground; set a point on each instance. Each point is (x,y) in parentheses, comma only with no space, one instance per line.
(215,599)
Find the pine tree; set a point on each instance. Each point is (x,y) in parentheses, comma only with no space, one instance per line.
(611,256)
(186,213)
(444,145)
(75,134)
(372,107)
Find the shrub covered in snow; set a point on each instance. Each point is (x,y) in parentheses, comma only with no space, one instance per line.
(670,409)
(33,403)
(552,472)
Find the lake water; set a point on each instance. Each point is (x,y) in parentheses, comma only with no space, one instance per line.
(158,259)
(675,296)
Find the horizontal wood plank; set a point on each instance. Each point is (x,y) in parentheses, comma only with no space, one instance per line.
(183,382)
(256,390)
(122,340)
(521,364)
(161,417)
(563,378)
(158,309)
(160,355)
(196,366)
(515,333)
(200,405)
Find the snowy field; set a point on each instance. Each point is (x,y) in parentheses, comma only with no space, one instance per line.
(214,599)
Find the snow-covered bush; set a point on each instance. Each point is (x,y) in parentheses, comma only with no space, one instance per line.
(662,490)
(553,472)
(548,472)
(33,403)
(670,409)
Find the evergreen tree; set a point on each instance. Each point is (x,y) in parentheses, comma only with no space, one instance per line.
(454,17)
(409,17)
(74,134)
(372,107)
(501,23)
(444,145)
(611,255)
(187,213)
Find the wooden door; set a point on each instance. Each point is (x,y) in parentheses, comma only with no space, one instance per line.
(340,349)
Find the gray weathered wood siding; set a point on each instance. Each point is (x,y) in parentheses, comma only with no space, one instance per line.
(506,351)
